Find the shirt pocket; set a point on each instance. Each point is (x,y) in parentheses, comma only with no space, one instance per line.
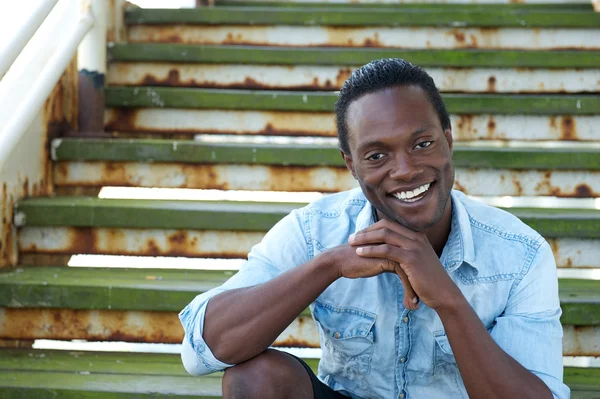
(347,338)
(443,358)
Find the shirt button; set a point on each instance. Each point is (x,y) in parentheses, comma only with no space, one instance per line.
(337,335)
(401,396)
(405,319)
(402,360)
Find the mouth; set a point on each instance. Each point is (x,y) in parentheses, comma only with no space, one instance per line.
(414,195)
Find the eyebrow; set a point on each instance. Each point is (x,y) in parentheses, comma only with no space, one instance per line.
(379,143)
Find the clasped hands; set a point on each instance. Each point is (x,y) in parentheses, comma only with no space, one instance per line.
(410,255)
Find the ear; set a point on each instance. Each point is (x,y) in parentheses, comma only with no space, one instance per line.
(349,164)
(448,134)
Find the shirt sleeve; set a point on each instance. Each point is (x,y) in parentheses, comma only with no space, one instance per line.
(529,329)
(282,248)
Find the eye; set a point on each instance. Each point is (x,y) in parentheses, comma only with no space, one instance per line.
(375,157)
(424,144)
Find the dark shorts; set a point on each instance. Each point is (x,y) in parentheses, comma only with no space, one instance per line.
(321,390)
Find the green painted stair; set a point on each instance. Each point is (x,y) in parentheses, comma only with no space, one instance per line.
(443,15)
(50,374)
(178,97)
(471,58)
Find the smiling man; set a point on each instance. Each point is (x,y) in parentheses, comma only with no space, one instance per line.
(416,290)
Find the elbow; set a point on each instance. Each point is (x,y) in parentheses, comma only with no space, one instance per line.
(191,362)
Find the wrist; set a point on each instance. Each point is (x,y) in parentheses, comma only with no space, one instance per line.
(327,264)
(454,304)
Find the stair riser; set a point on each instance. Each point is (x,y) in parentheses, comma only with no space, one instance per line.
(478,182)
(379,37)
(66,324)
(569,253)
(148,121)
(332,77)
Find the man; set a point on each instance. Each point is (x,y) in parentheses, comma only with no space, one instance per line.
(416,290)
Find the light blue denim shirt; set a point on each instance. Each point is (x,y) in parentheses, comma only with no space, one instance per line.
(372,346)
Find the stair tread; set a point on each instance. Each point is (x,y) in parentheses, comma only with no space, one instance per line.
(178,97)
(171,290)
(264,55)
(444,15)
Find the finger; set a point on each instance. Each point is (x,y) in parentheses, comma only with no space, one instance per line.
(411,300)
(397,227)
(386,251)
(380,236)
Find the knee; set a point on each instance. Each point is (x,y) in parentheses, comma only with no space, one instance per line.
(267,375)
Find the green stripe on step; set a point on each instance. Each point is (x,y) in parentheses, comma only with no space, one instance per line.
(235,216)
(255,55)
(172,290)
(177,97)
(186,151)
(302,16)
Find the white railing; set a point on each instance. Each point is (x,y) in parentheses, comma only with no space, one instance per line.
(39,55)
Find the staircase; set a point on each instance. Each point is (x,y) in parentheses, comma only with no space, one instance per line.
(239,97)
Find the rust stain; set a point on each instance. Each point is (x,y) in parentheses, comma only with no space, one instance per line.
(373,42)
(584,191)
(296,343)
(124,119)
(464,125)
(459,35)
(553,122)
(568,129)
(517,185)
(96,325)
(491,125)
(342,76)
(459,186)
(491,84)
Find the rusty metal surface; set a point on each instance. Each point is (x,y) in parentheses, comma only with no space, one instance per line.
(525,80)
(223,177)
(178,122)
(67,240)
(52,243)
(116,28)
(530,183)
(581,341)
(105,325)
(67,324)
(574,253)
(28,171)
(417,37)
(186,121)
(481,182)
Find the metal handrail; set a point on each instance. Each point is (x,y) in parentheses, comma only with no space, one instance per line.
(36,95)
(24,34)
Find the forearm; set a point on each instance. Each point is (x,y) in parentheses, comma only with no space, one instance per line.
(239,324)
(487,371)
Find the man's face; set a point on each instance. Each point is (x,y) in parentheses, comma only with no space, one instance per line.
(400,155)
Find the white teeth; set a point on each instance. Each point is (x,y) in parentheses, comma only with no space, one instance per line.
(407,196)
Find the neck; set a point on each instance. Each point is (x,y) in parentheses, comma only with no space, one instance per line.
(438,234)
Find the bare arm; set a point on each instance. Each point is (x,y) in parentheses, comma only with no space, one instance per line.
(487,371)
(241,323)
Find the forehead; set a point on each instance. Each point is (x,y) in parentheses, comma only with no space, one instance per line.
(398,110)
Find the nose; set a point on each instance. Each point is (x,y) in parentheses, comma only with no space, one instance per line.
(404,168)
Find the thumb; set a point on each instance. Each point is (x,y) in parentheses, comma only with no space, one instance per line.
(411,300)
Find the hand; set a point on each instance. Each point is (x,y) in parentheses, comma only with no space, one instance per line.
(415,255)
(351,265)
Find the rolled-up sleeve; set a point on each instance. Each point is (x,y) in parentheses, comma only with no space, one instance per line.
(282,248)
(529,329)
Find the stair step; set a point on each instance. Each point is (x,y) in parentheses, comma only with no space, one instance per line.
(444,15)
(471,58)
(177,97)
(45,374)
(567,157)
(226,216)
(171,290)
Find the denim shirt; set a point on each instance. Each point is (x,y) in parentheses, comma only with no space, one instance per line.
(372,346)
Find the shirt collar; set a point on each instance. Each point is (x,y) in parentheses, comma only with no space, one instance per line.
(458,249)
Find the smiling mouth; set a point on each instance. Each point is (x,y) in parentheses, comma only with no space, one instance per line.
(413,195)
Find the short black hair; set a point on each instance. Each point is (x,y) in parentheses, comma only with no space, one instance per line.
(379,75)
